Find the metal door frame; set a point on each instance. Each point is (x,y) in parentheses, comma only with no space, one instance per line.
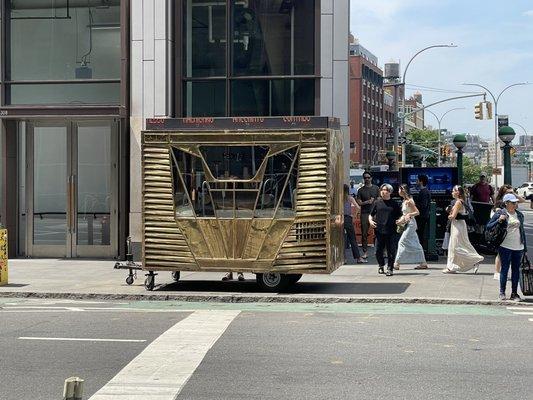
(71,249)
(94,251)
(33,250)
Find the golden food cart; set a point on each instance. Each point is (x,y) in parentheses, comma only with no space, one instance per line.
(259,195)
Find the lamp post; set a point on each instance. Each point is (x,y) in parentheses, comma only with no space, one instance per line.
(439,120)
(460,141)
(496,99)
(403,84)
(506,135)
(391,157)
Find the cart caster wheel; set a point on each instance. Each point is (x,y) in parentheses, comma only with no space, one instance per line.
(149,282)
(176,276)
(129,280)
(273,281)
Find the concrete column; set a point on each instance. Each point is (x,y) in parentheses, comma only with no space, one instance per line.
(334,53)
(151,88)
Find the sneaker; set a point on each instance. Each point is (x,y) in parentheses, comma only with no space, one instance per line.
(362,260)
(365,255)
(496,276)
(515,297)
(381,270)
(389,272)
(228,277)
(502,296)
(240,276)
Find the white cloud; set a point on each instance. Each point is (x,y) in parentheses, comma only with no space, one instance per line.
(528,13)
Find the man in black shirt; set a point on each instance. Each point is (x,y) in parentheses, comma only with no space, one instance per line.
(366,195)
(422,202)
(383,216)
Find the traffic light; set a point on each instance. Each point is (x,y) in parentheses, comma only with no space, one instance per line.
(513,151)
(443,151)
(478,110)
(489,109)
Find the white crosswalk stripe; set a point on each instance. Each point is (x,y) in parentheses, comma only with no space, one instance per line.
(165,366)
(524,310)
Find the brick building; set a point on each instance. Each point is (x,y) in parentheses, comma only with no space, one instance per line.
(368,113)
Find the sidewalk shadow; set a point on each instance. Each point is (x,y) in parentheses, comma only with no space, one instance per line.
(299,288)
(14,285)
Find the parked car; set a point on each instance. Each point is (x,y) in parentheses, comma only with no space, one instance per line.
(526,190)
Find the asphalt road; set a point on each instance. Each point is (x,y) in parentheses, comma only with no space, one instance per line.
(273,351)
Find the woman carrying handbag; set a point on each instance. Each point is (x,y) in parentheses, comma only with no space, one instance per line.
(461,254)
(410,250)
(513,245)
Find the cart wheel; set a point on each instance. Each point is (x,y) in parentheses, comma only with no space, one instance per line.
(176,276)
(129,279)
(272,281)
(293,278)
(149,282)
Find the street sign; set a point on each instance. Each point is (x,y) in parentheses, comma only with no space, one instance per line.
(401,140)
(503,120)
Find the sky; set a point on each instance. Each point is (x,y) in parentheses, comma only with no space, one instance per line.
(495,49)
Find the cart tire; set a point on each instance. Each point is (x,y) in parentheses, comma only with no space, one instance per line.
(293,278)
(273,281)
(149,282)
(176,276)
(129,279)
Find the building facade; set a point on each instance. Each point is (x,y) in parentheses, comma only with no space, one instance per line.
(368,113)
(416,120)
(82,76)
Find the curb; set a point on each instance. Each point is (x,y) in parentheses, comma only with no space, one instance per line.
(258,299)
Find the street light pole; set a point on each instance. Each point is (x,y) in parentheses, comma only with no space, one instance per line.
(403,84)
(439,120)
(496,99)
(507,134)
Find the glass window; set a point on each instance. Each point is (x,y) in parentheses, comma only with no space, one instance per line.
(234,162)
(53,41)
(204,99)
(273,37)
(272,97)
(64,93)
(205,38)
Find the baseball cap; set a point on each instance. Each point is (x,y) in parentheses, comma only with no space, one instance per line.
(510,197)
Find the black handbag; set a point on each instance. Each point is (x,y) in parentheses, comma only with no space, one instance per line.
(496,235)
(526,276)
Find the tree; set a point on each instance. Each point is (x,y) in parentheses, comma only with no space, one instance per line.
(422,138)
(472,171)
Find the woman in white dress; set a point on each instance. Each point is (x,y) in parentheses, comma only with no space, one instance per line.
(461,254)
(410,250)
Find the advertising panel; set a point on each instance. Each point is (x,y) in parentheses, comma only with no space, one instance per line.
(440,180)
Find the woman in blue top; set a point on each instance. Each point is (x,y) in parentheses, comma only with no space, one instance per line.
(514,244)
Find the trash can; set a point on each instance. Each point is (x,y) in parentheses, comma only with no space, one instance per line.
(3,256)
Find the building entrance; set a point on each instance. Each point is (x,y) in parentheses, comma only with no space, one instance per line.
(68,188)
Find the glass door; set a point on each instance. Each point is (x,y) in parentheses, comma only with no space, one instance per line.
(48,189)
(71,189)
(94,174)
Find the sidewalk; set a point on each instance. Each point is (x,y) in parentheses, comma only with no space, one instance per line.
(90,279)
